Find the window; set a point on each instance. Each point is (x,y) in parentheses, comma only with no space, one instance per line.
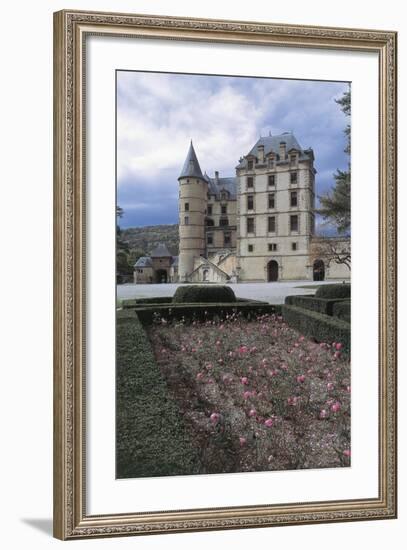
(210,222)
(187,207)
(250,248)
(250,182)
(293,159)
(294,223)
(293,246)
(186,220)
(293,198)
(209,210)
(271,200)
(226,239)
(272,180)
(223,209)
(250,202)
(209,238)
(272,247)
(272,224)
(224,196)
(293,177)
(271,163)
(250,165)
(223,222)
(250,225)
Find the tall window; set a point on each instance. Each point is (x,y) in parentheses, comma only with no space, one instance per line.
(250,202)
(209,210)
(223,209)
(293,177)
(209,238)
(227,239)
(293,246)
(186,220)
(250,248)
(293,159)
(250,165)
(272,180)
(271,163)
(294,223)
(272,224)
(293,198)
(250,182)
(187,207)
(272,202)
(250,225)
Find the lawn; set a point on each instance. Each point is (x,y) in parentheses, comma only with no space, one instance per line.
(252,395)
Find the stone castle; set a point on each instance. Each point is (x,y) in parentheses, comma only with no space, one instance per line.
(256,226)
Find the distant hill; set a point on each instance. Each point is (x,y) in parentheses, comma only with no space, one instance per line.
(142,240)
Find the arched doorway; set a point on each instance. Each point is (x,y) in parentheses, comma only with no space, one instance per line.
(272,271)
(161,276)
(319,270)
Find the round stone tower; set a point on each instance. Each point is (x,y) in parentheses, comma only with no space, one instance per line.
(193,191)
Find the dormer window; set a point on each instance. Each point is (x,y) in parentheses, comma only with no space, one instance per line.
(250,165)
(224,196)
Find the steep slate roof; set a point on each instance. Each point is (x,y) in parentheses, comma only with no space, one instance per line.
(272,144)
(144,261)
(191,168)
(161,251)
(216,186)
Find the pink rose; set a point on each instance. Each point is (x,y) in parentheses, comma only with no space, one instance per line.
(301,378)
(346,452)
(330,386)
(200,375)
(269,422)
(338,346)
(247,394)
(244,380)
(252,412)
(335,407)
(242,441)
(323,413)
(215,417)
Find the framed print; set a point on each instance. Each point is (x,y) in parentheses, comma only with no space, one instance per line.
(220,187)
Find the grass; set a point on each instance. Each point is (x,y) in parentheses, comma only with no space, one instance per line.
(152,439)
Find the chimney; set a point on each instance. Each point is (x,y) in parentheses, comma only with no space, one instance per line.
(217,177)
(282,150)
(260,151)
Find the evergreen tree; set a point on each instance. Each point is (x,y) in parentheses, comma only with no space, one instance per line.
(124,269)
(335,206)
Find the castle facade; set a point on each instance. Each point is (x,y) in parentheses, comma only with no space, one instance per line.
(255,226)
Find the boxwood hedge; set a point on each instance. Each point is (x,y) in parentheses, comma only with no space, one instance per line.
(342,310)
(333,291)
(321,305)
(322,328)
(151,439)
(204,294)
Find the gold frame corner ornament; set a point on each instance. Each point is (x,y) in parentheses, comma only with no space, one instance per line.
(70,30)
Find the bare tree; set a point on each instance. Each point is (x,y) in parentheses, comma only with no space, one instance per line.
(332,250)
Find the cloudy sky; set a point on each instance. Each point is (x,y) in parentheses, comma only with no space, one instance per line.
(158,115)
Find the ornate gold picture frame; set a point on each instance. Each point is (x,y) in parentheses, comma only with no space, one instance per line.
(72,519)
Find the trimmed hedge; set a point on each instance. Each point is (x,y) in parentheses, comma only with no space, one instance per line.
(322,328)
(333,291)
(342,310)
(204,294)
(202,312)
(151,436)
(321,305)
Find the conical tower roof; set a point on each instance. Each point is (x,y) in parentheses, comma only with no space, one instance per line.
(191,168)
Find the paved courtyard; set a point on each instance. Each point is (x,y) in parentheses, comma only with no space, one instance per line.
(274,293)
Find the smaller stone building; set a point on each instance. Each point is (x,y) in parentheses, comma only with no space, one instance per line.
(160,267)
